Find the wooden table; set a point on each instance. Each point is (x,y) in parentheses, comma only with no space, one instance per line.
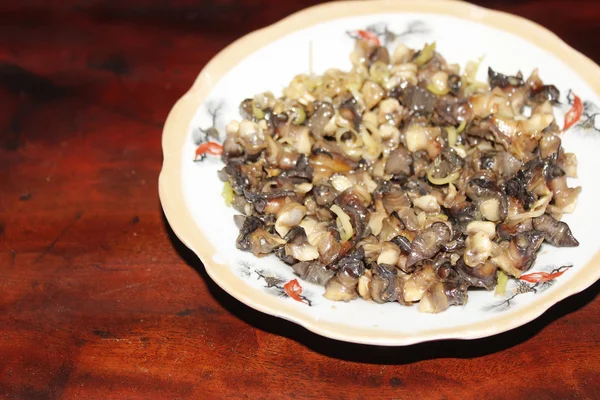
(98,299)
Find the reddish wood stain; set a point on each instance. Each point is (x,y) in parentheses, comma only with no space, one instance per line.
(98,299)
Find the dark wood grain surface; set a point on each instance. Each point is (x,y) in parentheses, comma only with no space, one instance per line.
(98,299)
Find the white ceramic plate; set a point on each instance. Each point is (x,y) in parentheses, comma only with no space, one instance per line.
(267,60)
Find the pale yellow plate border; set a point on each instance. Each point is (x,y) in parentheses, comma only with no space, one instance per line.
(180,219)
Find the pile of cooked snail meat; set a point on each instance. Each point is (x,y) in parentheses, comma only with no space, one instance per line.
(402,180)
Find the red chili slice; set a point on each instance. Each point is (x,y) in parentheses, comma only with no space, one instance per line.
(293,289)
(369,37)
(212,148)
(536,277)
(573,115)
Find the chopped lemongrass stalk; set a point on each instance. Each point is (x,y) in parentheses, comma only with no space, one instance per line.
(257,112)
(425,55)
(343,222)
(379,72)
(460,151)
(340,182)
(502,280)
(227,193)
(441,216)
(461,127)
(299,116)
(353,87)
(442,181)
(452,136)
(472,67)
(435,90)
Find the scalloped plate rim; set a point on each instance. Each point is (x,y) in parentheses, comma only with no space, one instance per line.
(171,195)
